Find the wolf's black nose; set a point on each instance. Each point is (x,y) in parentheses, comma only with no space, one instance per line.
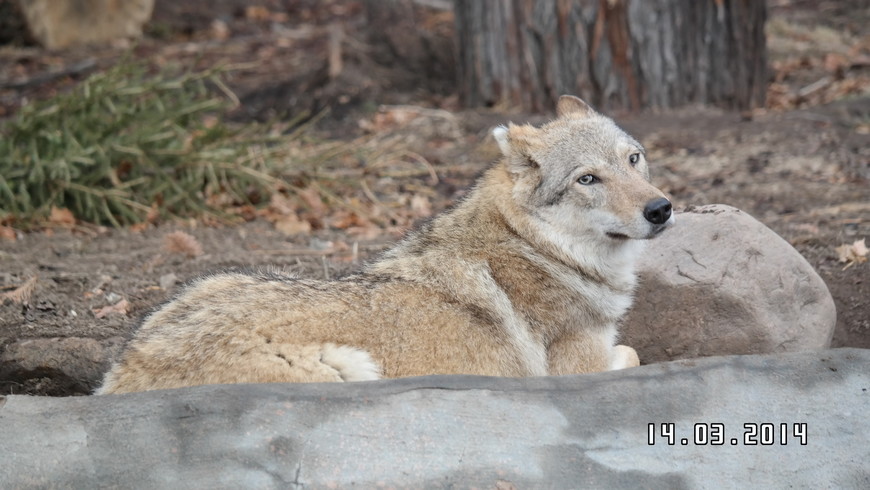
(657,211)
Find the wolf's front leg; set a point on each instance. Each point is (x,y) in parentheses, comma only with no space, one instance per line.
(579,353)
(622,357)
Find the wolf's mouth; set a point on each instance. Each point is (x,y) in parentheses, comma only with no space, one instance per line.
(617,236)
(656,231)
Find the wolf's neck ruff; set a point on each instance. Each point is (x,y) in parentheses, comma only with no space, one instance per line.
(529,275)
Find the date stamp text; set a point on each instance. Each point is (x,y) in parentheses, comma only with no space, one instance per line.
(713,434)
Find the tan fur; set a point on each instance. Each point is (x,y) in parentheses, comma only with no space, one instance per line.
(528,276)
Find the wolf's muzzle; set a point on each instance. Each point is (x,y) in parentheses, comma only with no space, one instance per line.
(657,211)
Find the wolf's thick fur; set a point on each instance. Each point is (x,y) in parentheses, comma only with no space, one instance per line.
(528,276)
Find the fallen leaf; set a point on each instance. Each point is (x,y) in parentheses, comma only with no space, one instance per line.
(22,293)
(153,213)
(61,216)
(856,253)
(119,308)
(292,225)
(835,62)
(365,232)
(257,13)
(182,243)
(343,220)
(421,206)
(279,17)
(220,30)
(7,233)
(281,205)
(312,198)
(388,118)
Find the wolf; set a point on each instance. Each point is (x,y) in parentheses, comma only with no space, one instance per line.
(529,275)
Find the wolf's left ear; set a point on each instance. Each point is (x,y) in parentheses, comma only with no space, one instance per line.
(516,144)
(515,140)
(501,137)
(570,106)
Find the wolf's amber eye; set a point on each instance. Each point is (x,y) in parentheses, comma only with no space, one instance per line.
(634,158)
(587,179)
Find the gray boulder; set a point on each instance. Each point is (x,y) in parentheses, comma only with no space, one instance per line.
(59,24)
(721,283)
(587,431)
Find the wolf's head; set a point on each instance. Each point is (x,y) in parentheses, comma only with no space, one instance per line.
(581,178)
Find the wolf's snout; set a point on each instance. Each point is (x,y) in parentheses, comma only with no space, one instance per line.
(657,211)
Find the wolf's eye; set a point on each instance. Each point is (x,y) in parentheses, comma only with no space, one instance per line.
(634,158)
(587,179)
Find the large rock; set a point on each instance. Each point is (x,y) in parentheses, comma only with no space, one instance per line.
(452,431)
(720,283)
(61,23)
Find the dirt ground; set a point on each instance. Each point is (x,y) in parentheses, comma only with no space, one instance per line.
(802,167)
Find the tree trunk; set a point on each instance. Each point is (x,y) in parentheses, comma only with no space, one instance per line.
(616,54)
(414,35)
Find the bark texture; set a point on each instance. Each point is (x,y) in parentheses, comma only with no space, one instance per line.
(616,54)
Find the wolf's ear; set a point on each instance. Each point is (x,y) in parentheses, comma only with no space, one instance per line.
(502,137)
(515,140)
(570,106)
(516,144)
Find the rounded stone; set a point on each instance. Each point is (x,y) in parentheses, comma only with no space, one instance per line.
(720,283)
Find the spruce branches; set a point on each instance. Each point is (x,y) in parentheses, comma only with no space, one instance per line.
(125,143)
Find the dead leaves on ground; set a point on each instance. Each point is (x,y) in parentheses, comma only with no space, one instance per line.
(58,218)
(119,308)
(304,211)
(24,293)
(834,76)
(61,217)
(117,304)
(851,254)
(379,183)
(7,233)
(282,213)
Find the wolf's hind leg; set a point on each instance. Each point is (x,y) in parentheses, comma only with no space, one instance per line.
(623,357)
(351,364)
(325,363)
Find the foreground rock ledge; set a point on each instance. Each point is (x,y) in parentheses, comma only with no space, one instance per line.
(567,432)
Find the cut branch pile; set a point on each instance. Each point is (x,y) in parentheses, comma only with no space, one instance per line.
(128,148)
(124,146)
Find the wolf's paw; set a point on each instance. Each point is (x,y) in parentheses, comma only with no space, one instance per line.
(623,357)
(351,364)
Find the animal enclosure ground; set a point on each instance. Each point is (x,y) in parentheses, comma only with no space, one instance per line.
(801,167)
